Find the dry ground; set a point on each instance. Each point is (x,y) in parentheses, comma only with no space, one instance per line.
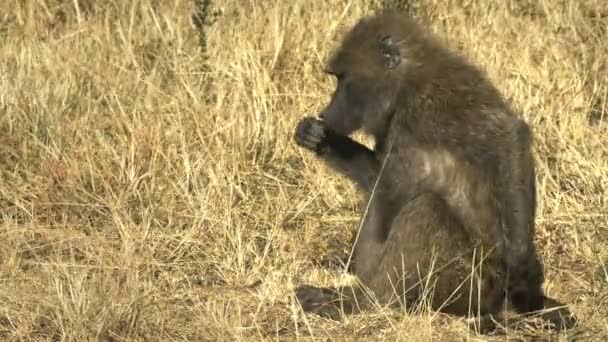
(148,192)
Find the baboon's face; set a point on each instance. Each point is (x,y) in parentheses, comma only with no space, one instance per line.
(366,86)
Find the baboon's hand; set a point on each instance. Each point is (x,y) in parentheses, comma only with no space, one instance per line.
(310,134)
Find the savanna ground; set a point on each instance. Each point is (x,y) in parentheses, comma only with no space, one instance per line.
(150,188)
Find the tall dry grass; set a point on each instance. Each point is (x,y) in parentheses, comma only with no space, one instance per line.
(150,191)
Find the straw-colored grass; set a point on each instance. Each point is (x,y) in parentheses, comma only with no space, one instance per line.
(151,192)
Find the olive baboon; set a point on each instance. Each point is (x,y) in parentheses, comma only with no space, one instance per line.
(450,183)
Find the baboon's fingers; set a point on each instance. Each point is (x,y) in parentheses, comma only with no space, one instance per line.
(317,128)
(307,142)
(311,125)
(309,133)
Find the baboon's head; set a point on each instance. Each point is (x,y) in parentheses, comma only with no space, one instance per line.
(369,66)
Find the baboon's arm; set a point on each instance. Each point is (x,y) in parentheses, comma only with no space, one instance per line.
(519,195)
(352,159)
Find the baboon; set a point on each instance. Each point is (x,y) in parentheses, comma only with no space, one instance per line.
(449,186)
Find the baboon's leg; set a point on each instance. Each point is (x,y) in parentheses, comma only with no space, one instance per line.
(426,253)
(331,302)
(465,189)
(429,256)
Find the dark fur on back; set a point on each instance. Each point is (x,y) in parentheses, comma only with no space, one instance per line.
(451,173)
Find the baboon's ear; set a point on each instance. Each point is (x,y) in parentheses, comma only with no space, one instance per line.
(390,52)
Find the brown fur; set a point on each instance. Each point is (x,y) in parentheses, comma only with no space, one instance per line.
(452,211)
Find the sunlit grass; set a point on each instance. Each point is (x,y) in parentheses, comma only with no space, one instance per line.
(149,191)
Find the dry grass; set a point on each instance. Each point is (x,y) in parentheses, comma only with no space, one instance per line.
(149,193)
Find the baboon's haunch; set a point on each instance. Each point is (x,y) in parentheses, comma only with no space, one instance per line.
(450,179)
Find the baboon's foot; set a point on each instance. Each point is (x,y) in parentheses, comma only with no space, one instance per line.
(557,314)
(486,324)
(320,301)
(330,302)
